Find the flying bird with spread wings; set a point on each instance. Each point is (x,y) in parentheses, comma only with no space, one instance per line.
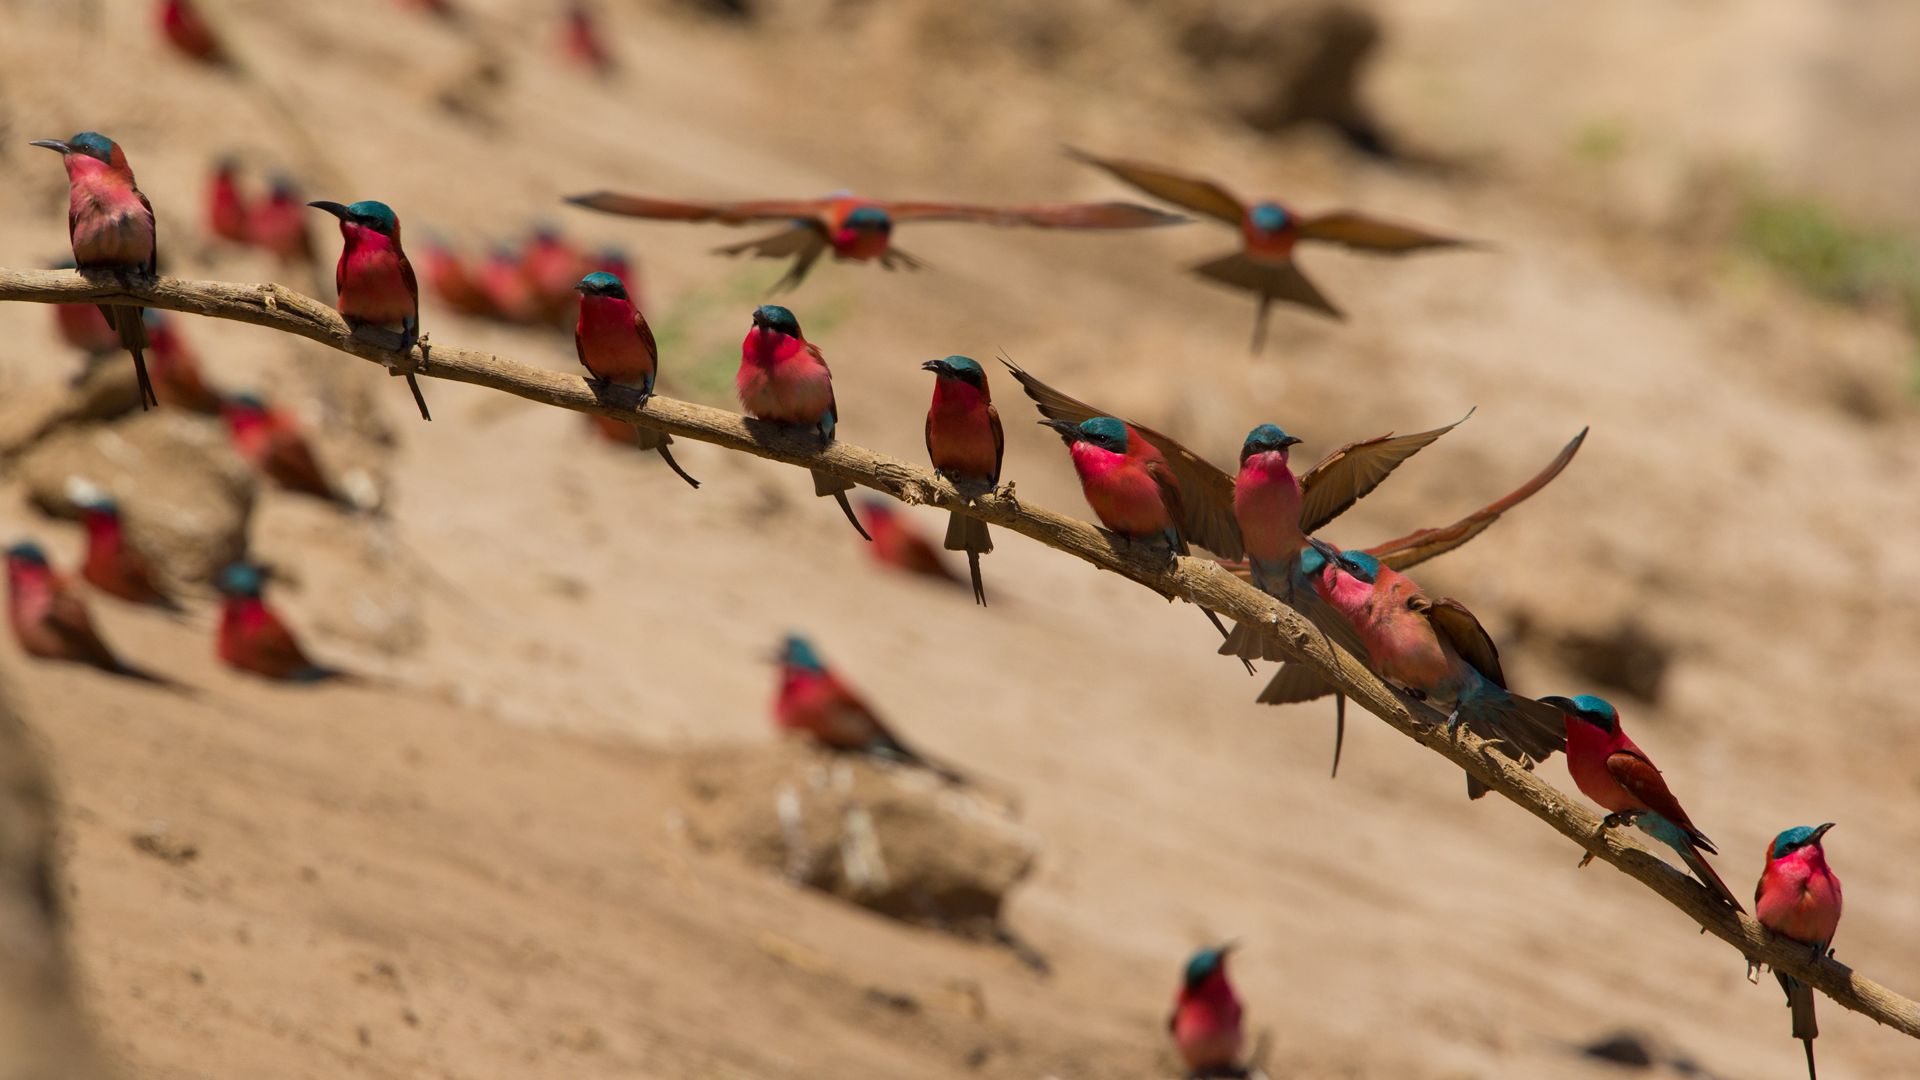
(861,230)
(1269,231)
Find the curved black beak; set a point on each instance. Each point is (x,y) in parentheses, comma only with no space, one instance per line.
(1820,832)
(1332,553)
(53,144)
(334,208)
(760,320)
(1565,705)
(1067,430)
(1291,440)
(938,367)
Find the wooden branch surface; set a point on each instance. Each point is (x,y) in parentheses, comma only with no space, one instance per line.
(1196,580)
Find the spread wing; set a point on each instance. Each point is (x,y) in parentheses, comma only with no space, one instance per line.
(1206,517)
(1643,781)
(1371,234)
(1192,192)
(1457,626)
(1345,476)
(726,213)
(1106,215)
(1415,548)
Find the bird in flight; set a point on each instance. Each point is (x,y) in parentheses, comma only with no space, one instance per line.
(1269,230)
(861,230)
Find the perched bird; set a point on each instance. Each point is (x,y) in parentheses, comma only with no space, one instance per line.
(1267,503)
(861,230)
(509,292)
(1609,769)
(271,441)
(1206,1017)
(580,40)
(896,544)
(616,346)
(784,379)
(966,445)
(453,283)
(1435,651)
(1130,486)
(813,700)
(1328,489)
(176,371)
(375,281)
(113,563)
(1799,898)
(252,636)
(50,620)
(187,31)
(111,226)
(226,206)
(1264,265)
(1298,682)
(279,225)
(552,266)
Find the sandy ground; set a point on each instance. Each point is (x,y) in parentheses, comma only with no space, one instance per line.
(473,869)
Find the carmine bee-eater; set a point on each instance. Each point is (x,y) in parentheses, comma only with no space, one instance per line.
(1799,898)
(784,379)
(114,564)
(50,620)
(812,700)
(581,42)
(861,230)
(176,371)
(616,346)
(271,442)
(1435,651)
(375,281)
(226,206)
(252,636)
(897,545)
(188,31)
(504,281)
(1264,265)
(1130,486)
(552,267)
(1206,1019)
(1297,682)
(111,226)
(966,445)
(279,225)
(1609,769)
(455,285)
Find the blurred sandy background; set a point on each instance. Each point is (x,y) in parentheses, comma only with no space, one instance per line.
(1701,221)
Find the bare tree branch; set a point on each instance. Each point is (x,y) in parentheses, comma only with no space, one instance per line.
(1196,580)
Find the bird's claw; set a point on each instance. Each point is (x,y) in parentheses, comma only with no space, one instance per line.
(1005,491)
(1453,721)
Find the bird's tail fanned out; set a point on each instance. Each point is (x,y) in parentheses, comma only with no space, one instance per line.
(1805,1027)
(658,441)
(803,242)
(824,485)
(1269,280)
(970,535)
(131,324)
